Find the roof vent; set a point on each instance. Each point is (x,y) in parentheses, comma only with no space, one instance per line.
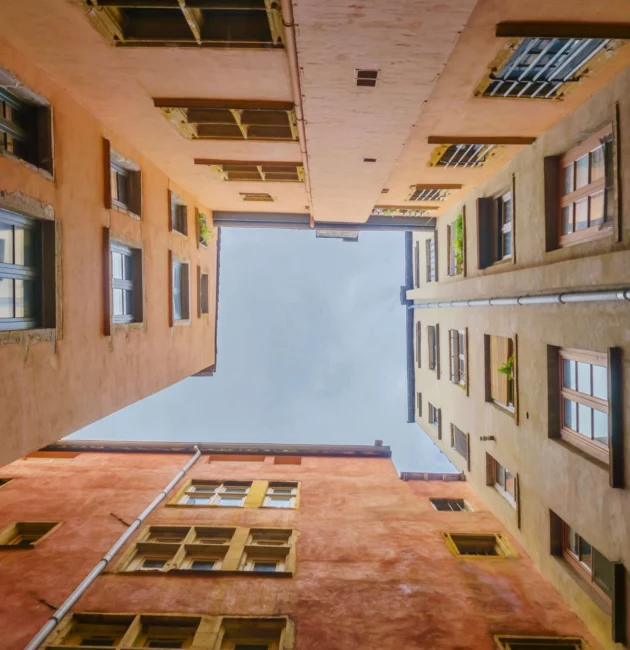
(366,77)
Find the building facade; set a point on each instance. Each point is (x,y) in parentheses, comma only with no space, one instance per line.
(520,340)
(264,546)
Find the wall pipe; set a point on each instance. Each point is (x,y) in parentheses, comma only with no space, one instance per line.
(294,72)
(556,298)
(53,621)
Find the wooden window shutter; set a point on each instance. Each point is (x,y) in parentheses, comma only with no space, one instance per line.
(619,604)
(185,291)
(552,201)
(615,418)
(517,498)
(427,246)
(437,351)
(435,256)
(453,345)
(515,377)
(199,292)
(466,357)
(486,243)
(135,192)
(468,451)
(171,315)
(107,182)
(417,265)
(439,419)
(107,284)
(431,340)
(555,534)
(490,470)
(499,352)
(418,343)
(171,211)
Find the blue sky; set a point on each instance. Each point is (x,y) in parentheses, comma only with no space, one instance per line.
(311,349)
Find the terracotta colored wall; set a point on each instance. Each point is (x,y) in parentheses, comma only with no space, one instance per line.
(48,391)
(372,569)
(553,476)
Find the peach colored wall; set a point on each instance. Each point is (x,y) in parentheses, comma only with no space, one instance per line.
(372,568)
(50,390)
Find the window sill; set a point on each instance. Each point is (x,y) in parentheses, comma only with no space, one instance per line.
(502,408)
(199,507)
(219,573)
(119,207)
(10,547)
(584,236)
(34,168)
(128,327)
(586,586)
(581,452)
(179,234)
(34,336)
(506,495)
(182,322)
(201,244)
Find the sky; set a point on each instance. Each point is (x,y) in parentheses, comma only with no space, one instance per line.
(311,349)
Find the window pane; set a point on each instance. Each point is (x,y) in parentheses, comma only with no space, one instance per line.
(117,266)
(25,292)
(128,267)
(568,377)
(597,164)
(600,427)
(602,572)
(510,487)
(282,502)
(581,172)
(573,542)
(500,474)
(24,247)
(567,173)
(177,291)
(584,377)
(118,302)
(597,209)
(584,420)
(507,243)
(269,567)
(567,219)
(585,553)
(6,243)
(153,564)
(570,416)
(6,298)
(128,302)
(507,211)
(198,501)
(202,565)
(600,382)
(230,501)
(581,214)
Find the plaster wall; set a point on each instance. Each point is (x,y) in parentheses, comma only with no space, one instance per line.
(552,475)
(49,389)
(372,568)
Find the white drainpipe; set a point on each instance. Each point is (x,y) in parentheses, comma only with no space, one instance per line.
(53,621)
(294,72)
(556,298)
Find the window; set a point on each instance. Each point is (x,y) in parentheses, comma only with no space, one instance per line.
(181,303)
(502,480)
(460,442)
(542,67)
(233,120)
(235,458)
(431,252)
(252,634)
(463,155)
(456,246)
(586,190)
(4,481)
(277,172)
(255,24)
(210,493)
(450,505)
(495,220)
(25,125)
(478,544)
(500,362)
(584,397)
(123,182)
(281,495)
(25,534)
(179,214)
(416,266)
(256,196)
(419,404)
(540,643)
(432,192)
(458,353)
(203,293)
(266,551)
(126,284)
(21,272)
(433,334)
(419,344)
(434,416)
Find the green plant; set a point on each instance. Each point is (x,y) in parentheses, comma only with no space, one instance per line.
(458,243)
(204,230)
(507,368)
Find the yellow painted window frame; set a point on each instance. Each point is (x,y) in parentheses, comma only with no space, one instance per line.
(503,546)
(209,632)
(506,641)
(10,531)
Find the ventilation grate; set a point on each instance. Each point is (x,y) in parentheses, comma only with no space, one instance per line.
(366,77)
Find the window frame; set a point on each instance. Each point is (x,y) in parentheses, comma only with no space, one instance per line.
(220,491)
(431,249)
(419,404)
(419,344)
(133,285)
(433,334)
(502,547)
(510,385)
(17,530)
(493,471)
(492,228)
(271,495)
(514,642)
(462,504)
(458,437)
(203,288)
(178,214)
(436,412)
(605,185)
(455,268)
(182,316)
(458,357)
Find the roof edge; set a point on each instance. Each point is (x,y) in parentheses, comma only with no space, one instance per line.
(277,449)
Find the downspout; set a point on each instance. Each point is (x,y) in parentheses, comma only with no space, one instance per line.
(294,73)
(555,298)
(53,621)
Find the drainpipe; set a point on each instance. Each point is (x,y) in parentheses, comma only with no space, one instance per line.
(556,298)
(294,72)
(53,621)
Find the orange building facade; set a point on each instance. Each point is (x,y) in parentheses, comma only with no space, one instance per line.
(265,546)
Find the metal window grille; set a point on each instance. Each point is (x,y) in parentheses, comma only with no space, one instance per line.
(430,194)
(541,66)
(465,155)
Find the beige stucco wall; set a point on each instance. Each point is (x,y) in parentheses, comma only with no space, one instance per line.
(552,475)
